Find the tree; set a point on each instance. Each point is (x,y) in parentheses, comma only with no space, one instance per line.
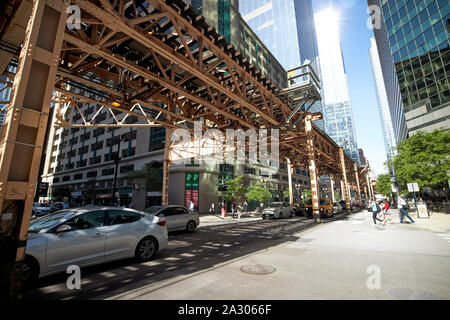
(258,192)
(307,194)
(424,158)
(235,189)
(286,195)
(383,185)
(337,195)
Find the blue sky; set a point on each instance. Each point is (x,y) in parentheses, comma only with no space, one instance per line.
(355,41)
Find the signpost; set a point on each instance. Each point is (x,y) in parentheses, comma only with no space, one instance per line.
(422,210)
(413,188)
(191,187)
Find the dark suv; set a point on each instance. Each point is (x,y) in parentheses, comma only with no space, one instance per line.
(299,209)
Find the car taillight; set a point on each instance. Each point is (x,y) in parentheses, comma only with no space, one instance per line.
(162,222)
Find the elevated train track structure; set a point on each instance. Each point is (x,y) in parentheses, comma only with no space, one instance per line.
(153,59)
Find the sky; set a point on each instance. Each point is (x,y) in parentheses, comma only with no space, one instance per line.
(355,42)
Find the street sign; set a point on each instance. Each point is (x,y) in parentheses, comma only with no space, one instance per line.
(413,187)
(191,181)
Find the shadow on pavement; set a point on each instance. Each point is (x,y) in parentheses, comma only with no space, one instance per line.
(187,253)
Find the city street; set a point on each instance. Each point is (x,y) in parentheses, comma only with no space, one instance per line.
(297,260)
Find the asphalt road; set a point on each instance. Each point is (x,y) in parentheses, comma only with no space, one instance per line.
(329,261)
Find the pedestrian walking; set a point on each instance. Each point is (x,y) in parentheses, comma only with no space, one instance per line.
(403,206)
(212,209)
(375,211)
(239,210)
(387,211)
(131,205)
(233,208)
(191,205)
(245,206)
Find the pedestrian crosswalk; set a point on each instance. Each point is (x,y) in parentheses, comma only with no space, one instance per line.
(445,236)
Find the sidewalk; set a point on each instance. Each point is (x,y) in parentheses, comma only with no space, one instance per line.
(212,220)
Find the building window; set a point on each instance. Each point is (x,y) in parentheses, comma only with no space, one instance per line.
(78,176)
(127,168)
(91,174)
(108,172)
(66,178)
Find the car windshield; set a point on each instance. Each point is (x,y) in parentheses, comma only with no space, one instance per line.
(48,221)
(323,202)
(308,202)
(153,209)
(275,205)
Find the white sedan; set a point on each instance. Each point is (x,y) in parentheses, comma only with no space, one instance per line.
(278,210)
(89,236)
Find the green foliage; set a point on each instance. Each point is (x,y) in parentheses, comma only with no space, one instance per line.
(424,158)
(286,195)
(235,189)
(307,194)
(258,192)
(337,196)
(383,185)
(151,173)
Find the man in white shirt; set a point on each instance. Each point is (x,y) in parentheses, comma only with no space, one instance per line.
(403,213)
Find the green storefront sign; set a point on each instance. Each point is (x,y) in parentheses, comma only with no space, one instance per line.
(191,181)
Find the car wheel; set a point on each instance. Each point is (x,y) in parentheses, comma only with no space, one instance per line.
(30,270)
(190,227)
(146,249)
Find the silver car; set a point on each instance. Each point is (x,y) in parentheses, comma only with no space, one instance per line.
(177,217)
(41,209)
(278,210)
(89,236)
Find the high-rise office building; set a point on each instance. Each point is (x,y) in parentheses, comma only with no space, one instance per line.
(383,103)
(414,35)
(224,16)
(338,112)
(287,29)
(362,157)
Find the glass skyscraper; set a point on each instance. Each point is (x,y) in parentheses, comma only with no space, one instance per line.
(338,112)
(383,103)
(417,35)
(287,29)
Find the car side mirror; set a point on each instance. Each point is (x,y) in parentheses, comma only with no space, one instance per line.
(63,228)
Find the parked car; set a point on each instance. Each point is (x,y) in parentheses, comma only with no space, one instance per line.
(299,208)
(57,206)
(177,217)
(89,236)
(277,210)
(337,208)
(325,205)
(41,209)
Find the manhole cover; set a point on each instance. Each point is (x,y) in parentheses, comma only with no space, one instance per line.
(258,269)
(408,294)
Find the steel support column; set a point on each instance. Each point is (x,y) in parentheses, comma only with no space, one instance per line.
(312,166)
(166,168)
(290,171)
(22,141)
(332,189)
(358,187)
(346,190)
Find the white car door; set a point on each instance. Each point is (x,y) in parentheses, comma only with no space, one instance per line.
(124,228)
(171,218)
(81,246)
